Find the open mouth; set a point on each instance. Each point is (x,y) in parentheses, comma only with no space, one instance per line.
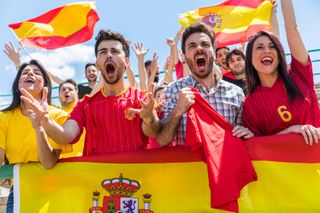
(110,68)
(29,81)
(267,61)
(67,96)
(201,62)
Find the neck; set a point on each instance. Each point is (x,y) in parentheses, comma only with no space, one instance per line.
(208,82)
(68,106)
(239,77)
(114,89)
(267,80)
(92,84)
(24,108)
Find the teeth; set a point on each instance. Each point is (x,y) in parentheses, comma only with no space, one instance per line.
(266,59)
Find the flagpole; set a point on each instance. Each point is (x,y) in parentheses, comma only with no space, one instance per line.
(24,49)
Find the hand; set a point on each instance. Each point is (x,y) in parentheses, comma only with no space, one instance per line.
(185,101)
(274,4)
(171,42)
(146,112)
(240,131)
(310,133)
(138,49)
(38,108)
(178,35)
(34,120)
(12,53)
(154,64)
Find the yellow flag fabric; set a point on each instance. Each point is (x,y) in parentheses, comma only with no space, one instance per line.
(171,180)
(64,26)
(233,21)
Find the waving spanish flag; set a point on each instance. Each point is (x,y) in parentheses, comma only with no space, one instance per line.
(60,27)
(233,21)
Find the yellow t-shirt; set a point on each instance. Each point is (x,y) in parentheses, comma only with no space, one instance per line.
(18,138)
(73,150)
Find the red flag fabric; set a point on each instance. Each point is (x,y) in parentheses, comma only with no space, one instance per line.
(228,162)
(64,26)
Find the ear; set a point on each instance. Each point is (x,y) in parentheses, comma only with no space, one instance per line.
(183,56)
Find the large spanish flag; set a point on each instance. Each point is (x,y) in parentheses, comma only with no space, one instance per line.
(64,26)
(233,21)
(172,179)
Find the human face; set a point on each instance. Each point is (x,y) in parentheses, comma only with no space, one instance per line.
(67,94)
(158,96)
(265,57)
(221,58)
(91,73)
(111,61)
(31,79)
(199,54)
(236,64)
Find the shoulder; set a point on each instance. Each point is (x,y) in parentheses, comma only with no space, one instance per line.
(55,111)
(230,87)
(5,116)
(179,84)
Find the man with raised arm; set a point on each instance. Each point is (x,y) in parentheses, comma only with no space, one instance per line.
(109,128)
(198,45)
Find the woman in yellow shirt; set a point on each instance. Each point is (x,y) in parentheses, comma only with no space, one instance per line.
(22,141)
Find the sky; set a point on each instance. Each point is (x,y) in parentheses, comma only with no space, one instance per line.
(148,21)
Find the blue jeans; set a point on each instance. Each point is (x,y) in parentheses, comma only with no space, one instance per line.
(9,208)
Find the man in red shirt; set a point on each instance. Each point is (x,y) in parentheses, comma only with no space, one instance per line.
(104,114)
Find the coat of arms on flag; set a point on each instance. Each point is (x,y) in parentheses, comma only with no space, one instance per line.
(121,198)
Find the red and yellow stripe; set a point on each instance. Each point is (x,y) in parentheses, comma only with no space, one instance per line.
(235,21)
(288,179)
(60,27)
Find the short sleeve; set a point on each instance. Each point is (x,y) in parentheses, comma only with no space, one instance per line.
(3,130)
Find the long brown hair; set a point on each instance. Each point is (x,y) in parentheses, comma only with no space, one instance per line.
(252,77)
(16,101)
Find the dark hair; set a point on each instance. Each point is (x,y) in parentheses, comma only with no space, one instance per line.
(222,48)
(88,65)
(252,78)
(162,86)
(111,35)
(147,63)
(71,82)
(198,27)
(234,52)
(16,101)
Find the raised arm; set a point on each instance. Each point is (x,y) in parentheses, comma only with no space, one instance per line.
(14,55)
(167,79)
(274,19)
(140,53)
(130,75)
(168,127)
(295,41)
(61,134)
(48,156)
(154,69)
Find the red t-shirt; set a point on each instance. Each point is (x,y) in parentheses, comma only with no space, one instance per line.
(228,74)
(107,128)
(267,111)
(179,70)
